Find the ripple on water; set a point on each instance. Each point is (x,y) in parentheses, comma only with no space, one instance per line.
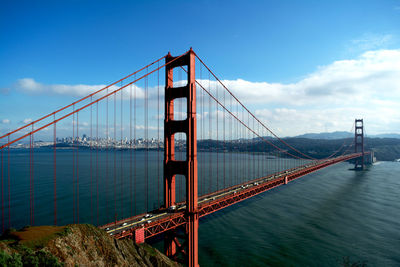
(314,221)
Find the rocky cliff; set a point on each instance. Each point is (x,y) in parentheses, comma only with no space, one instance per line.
(74,245)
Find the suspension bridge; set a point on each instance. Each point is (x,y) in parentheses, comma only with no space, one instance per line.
(149,155)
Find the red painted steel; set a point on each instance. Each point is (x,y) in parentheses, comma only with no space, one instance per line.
(175,220)
(186,217)
(139,235)
(106,96)
(169,150)
(187,168)
(359,143)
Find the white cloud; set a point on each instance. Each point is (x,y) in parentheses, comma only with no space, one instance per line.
(29,85)
(28,120)
(371,41)
(331,97)
(374,75)
(295,122)
(5,121)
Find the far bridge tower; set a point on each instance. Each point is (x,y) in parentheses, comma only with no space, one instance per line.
(359,144)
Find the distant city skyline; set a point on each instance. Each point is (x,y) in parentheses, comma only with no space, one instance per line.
(301,67)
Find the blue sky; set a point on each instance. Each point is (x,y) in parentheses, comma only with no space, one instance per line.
(309,60)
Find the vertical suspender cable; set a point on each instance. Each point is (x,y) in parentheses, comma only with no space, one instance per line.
(210,177)
(146,156)
(2,192)
(73,163)
(91,163)
(238,146)
(254,153)
(130,151)
(231,144)
(9,185)
(201,135)
(97,163)
(158,135)
(223,150)
(115,157)
(216,112)
(55,171)
(33,177)
(77,167)
(122,158)
(134,138)
(107,184)
(248,149)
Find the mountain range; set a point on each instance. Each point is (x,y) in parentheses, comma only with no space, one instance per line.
(341,135)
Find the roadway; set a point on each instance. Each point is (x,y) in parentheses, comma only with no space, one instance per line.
(125,227)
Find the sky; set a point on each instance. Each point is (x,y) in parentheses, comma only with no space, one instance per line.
(300,66)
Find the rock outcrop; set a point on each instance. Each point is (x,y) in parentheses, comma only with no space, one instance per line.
(75,245)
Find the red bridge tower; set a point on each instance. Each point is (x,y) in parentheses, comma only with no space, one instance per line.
(188,168)
(359,144)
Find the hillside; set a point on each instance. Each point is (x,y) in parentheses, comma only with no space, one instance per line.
(386,149)
(74,245)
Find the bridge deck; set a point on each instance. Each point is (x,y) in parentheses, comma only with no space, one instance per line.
(161,220)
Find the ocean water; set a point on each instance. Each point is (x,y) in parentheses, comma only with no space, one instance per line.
(316,220)
(100,187)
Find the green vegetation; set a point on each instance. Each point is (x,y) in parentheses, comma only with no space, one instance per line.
(74,245)
(386,149)
(25,256)
(10,260)
(26,246)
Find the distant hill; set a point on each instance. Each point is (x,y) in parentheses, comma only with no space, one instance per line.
(342,135)
(392,135)
(328,136)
